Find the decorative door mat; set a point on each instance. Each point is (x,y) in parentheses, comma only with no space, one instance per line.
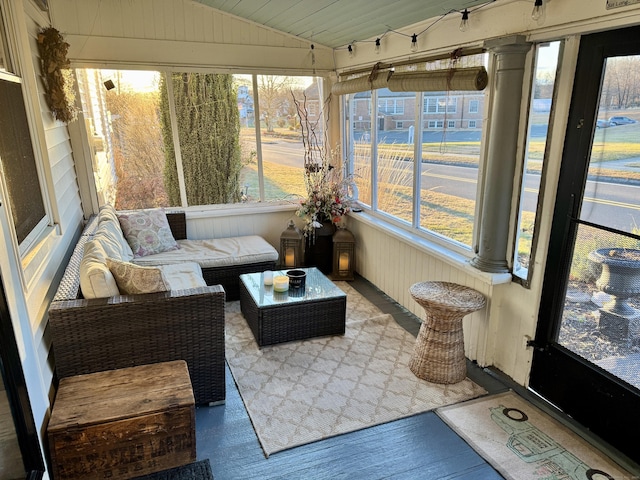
(524,443)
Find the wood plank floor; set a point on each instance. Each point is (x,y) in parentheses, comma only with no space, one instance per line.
(422,446)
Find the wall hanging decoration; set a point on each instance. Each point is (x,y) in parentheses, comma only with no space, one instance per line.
(56,73)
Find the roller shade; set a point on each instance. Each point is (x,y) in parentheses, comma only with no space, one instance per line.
(472,78)
(360,84)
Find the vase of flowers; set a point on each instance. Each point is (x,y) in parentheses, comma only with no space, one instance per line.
(323,208)
(327,189)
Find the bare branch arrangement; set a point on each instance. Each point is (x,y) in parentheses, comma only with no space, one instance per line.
(327,190)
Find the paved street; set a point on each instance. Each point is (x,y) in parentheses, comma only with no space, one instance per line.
(614,204)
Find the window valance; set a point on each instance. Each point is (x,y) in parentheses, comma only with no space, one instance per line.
(461,79)
(361,84)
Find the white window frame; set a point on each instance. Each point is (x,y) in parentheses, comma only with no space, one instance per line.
(30,98)
(440,105)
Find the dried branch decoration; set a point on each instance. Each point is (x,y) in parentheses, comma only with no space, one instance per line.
(58,79)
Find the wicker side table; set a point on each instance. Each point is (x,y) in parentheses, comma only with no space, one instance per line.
(438,354)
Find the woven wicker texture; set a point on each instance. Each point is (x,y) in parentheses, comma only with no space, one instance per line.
(438,354)
(229,276)
(296,321)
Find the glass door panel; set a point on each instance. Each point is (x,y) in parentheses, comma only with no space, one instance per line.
(587,356)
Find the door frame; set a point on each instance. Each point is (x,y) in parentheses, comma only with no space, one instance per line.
(598,400)
(16,390)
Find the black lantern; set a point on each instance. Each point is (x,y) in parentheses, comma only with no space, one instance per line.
(291,247)
(344,255)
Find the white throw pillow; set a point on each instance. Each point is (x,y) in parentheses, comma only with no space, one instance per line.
(133,279)
(96,280)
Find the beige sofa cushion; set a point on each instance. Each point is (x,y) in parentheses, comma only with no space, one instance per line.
(217,252)
(96,281)
(182,276)
(110,236)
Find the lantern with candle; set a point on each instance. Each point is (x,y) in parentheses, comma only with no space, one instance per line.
(344,255)
(291,246)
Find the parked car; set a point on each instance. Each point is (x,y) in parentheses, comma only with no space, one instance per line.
(620,120)
(602,123)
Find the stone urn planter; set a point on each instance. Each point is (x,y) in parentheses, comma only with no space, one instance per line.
(620,278)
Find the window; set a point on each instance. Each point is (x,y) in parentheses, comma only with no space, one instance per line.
(137,164)
(433,104)
(439,204)
(5,60)
(399,125)
(472,124)
(391,106)
(20,172)
(539,121)
(474,106)
(394,172)
(358,140)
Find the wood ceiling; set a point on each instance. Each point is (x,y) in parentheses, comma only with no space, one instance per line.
(337,23)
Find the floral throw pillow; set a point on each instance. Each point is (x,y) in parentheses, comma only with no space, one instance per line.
(133,279)
(147,232)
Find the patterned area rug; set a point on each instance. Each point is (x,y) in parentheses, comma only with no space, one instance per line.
(301,392)
(524,443)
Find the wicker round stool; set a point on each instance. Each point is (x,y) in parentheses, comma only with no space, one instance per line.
(438,354)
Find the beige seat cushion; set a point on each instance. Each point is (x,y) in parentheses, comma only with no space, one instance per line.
(182,276)
(218,252)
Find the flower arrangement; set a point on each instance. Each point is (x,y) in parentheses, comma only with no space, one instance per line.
(327,197)
(327,190)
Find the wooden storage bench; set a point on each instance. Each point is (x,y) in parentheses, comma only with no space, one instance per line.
(123,423)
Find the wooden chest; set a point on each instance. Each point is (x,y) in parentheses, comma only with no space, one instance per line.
(123,423)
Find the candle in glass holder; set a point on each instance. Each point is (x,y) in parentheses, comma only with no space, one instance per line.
(343,261)
(268,277)
(289,258)
(281,283)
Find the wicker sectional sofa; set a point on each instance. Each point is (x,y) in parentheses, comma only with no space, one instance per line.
(97,334)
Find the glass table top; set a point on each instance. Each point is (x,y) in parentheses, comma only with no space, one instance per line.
(317,287)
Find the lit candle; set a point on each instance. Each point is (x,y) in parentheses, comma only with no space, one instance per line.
(289,258)
(343,261)
(268,277)
(281,283)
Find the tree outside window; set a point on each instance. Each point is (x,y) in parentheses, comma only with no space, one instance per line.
(131,135)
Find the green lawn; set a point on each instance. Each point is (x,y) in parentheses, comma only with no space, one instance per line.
(448,215)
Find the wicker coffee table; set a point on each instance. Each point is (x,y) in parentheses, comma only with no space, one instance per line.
(318,310)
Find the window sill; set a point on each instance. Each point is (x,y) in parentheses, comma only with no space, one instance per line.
(238,209)
(431,248)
